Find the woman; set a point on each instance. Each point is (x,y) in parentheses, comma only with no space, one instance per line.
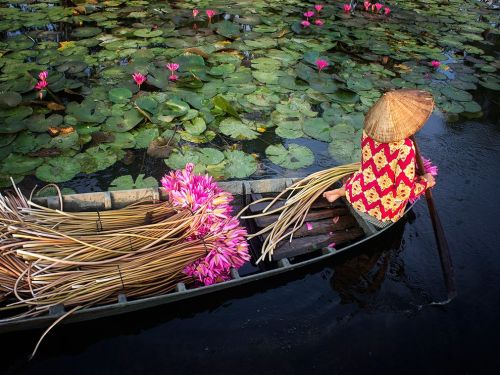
(386,181)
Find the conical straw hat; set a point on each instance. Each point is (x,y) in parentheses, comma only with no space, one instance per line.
(398,114)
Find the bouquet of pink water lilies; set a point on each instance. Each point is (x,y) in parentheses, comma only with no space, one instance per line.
(226,246)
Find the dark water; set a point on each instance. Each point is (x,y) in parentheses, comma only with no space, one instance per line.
(366,312)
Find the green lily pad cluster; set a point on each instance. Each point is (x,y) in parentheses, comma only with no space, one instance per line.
(247,81)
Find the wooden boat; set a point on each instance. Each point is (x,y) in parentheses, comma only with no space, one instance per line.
(310,245)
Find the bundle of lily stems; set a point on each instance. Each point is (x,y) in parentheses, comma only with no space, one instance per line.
(298,199)
(50,257)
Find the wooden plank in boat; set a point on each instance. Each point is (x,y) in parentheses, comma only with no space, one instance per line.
(326,226)
(311,216)
(320,203)
(305,245)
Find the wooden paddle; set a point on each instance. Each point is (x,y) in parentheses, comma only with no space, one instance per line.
(442,243)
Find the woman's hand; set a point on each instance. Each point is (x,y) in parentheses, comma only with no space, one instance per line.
(431,181)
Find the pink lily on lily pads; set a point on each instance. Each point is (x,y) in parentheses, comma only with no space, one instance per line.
(387,11)
(305,23)
(378,6)
(321,64)
(347,8)
(435,64)
(319,22)
(210,13)
(309,14)
(172,77)
(367,4)
(43,75)
(318,7)
(195,12)
(41,85)
(172,67)
(139,78)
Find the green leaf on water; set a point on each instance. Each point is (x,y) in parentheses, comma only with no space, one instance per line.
(295,157)
(127,183)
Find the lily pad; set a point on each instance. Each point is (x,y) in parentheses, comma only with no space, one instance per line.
(16,164)
(120,95)
(58,169)
(127,182)
(295,157)
(317,128)
(10,99)
(239,164)
(237,129)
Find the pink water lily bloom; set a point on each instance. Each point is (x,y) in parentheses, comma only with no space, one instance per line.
(321,64)
(435,64)
(347,8)
(195,12)
(367,5)
(173,77)
(387,11)
(210,13)
(318,7)
(41,85)
(305,23)
(319,22)
(378,6)
(172,67)
(139,78)
(43,75)
(309,14)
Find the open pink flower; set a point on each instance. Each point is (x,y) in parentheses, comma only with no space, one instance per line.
(41,85)
(195,12)
(318,7)
(309,14)
(172,77)
(378,6)
(367,5)
(319,22)
(43,75)
(347,8)
(305,23)
(210,13)
(321,64)
(435,64)
(387,11)
(139,78)
(172,67)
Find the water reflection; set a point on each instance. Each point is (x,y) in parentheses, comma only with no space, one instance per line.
(362,275)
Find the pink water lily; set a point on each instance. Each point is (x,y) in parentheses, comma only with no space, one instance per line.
(172,77)
(139,78)
(367,4)
(309,14)
(210,13)
(318,7)
(387,11)
(378,6)
(305,23)
(41,85)
(172,67)
(309,226)
(347,8)
(435,64)
(319,22)
(321,64)
(195,12)
(43,75)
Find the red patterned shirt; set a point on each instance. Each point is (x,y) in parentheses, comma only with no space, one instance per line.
(386,179)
